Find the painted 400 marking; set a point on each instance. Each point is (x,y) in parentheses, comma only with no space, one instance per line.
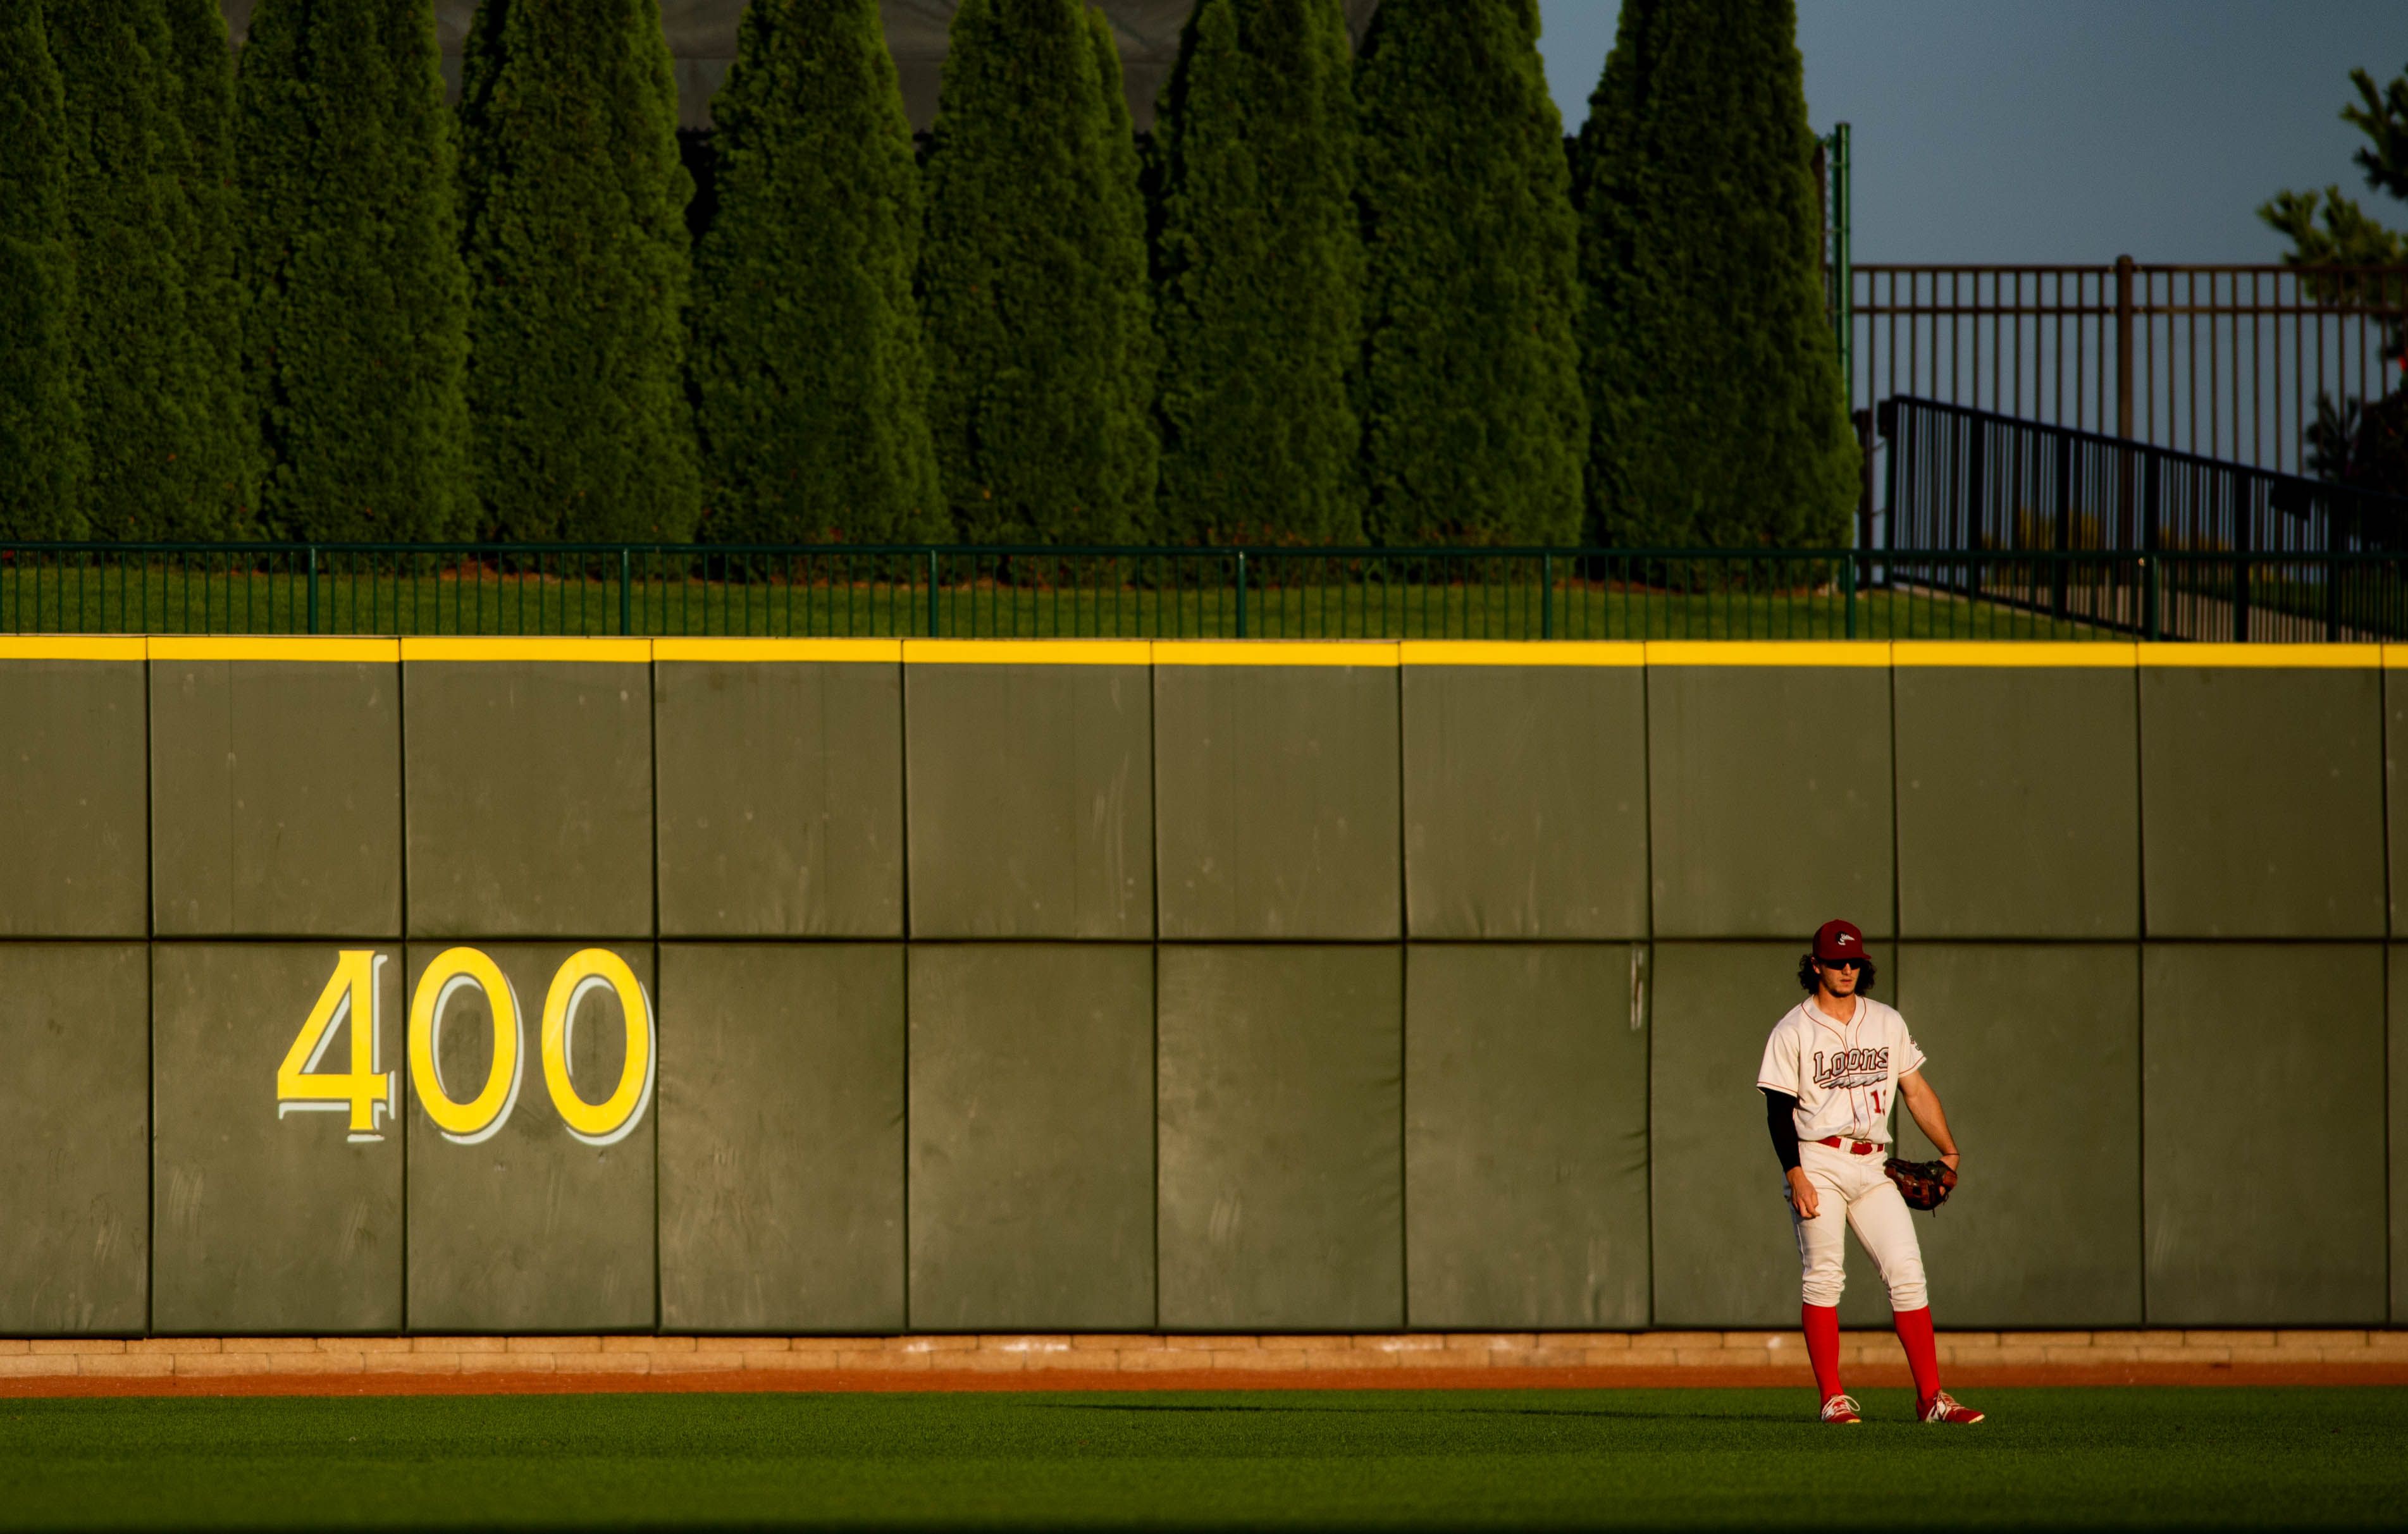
(367,1091)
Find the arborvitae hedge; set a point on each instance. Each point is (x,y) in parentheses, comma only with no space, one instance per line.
(159,466)
(574,204)
(1134,466)
(1025,286)
(1261,278)
(202,64)
(359,303)
(1716,411)
(1474,422)
(42,451)
(810,374)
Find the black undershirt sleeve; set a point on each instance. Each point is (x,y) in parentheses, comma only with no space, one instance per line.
(1780,1116)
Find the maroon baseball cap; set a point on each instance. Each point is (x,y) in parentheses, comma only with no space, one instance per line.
(1837,940)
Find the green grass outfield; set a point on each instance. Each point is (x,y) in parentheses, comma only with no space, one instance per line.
(2096,1458)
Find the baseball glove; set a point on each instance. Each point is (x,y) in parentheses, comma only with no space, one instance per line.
(1924,1184)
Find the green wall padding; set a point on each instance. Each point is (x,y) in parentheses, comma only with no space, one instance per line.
(74,1021)
(1725,1252)
(74,814)
(781,1137)
(1032,1137)
(276,799)
(1769,799)
(2261,792)
(530,789)
(1525,1136)
(262,1223)
(2262,1114)
(1031,801)
(1279,813)
(1281,1180)
(1525,801)
(780,799)
(532,1229)
(2395,750)
(2397,963)
(2035,1053)
(2018,802)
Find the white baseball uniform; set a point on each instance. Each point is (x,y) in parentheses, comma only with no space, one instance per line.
(1845,1076)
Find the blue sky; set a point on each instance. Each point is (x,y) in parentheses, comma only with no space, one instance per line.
(2065,130)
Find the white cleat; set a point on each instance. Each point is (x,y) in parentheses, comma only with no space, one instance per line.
(1841,1410)
(1943,1408)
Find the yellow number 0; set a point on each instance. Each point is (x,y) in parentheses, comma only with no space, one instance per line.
(455,970)
(606,1122)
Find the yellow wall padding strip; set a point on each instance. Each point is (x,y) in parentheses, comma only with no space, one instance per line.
(2013,652)
(1275,652)
(888,650)
(272,647)
(43,646)
(1027,652)
(1210,652)
(2265,657)
(1768,652)
(448,647)
(1520,652)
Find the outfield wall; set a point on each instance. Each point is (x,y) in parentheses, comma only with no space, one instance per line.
(1056,985)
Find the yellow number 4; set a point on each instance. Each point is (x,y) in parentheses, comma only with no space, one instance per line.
(350,996)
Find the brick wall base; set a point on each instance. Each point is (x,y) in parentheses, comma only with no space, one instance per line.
(1769,1357)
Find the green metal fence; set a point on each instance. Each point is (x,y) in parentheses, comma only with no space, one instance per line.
(1300,593)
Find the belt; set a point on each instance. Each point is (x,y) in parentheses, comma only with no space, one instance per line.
(1854,1148)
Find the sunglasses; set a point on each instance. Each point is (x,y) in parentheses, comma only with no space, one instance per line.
(1842,963)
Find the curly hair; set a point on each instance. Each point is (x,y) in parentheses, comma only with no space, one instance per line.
(1807,978)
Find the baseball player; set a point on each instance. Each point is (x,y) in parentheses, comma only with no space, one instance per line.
(1836,1064)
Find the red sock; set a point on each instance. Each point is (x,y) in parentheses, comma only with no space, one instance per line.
(1922,1350)
(1821,1324)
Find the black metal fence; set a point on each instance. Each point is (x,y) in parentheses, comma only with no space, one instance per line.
(2230,551)
(1981,588)
(2235,363)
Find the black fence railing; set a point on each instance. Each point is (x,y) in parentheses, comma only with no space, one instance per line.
(1977,591)
(2246,363)
(2241,552)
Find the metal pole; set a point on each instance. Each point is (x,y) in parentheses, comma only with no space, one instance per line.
(2151,615)
(1848,585)
(313,588)
(2124,346)
(1547,596)
(627,590)
(1242,593)
(2064,521)
(932,593)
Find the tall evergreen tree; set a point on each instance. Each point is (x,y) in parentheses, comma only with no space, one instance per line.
(1475,426)
(202,64)
(1025,285)
(160,462)
(1716,410)
(574,206)
(810,374)
(358,300)
(1134,468)
(42,450)
(1261,278)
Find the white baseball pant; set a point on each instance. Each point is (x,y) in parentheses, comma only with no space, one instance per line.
(1854,1189)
